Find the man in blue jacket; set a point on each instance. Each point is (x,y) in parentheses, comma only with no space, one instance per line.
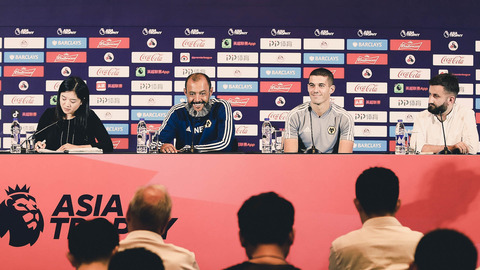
(199,125)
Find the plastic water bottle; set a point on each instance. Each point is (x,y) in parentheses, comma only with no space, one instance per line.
(15,137)
(400,138)
(267,130)
(142,137)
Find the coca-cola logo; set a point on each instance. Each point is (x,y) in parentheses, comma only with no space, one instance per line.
(366,88)
(56,86)
(241,130)
(156,57)
(453,60)
(277,116)
(19,100)
(194,43)
(108,71)
(410,74)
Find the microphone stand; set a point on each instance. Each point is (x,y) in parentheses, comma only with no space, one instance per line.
(312,150)
(192,150)
(38,132)
(445,150)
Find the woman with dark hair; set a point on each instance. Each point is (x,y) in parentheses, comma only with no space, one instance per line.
(71,124)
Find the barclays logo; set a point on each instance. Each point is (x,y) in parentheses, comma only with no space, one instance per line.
(237,86)
(117,129)
(270,72)
(367,44)
(324,58)
(66,43)
(24,57)
(369,146)
(149,115)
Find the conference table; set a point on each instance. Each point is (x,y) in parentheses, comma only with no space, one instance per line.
(208,189)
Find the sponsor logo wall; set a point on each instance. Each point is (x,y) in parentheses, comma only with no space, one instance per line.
(380,74)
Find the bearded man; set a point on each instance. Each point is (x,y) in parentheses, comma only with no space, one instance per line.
(458,123)
(199,125)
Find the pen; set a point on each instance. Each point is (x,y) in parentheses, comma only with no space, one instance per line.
(43,142)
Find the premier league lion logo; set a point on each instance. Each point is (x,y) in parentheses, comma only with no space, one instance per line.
(20,215)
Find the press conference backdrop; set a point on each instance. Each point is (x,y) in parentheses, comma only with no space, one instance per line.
(381,75)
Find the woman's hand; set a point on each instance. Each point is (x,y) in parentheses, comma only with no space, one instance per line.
(69,146)
(40,145)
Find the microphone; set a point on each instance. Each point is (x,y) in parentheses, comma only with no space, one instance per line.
(192,149)
(312,150)
(445,150)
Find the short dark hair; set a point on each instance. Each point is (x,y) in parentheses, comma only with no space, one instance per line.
(136,258)
(92,240)
(445,249)
(448,81)
(322,72)
(196,77)
(266,219)
(377,191)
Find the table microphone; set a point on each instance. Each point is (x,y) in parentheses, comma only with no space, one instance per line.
(312,150)
(445,150)
(192,149)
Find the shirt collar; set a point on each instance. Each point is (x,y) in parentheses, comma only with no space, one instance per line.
(144,234)
(382,222)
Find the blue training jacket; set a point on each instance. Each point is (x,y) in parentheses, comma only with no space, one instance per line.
(213,132)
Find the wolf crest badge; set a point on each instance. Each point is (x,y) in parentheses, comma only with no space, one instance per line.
(331,130)
(208,123)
